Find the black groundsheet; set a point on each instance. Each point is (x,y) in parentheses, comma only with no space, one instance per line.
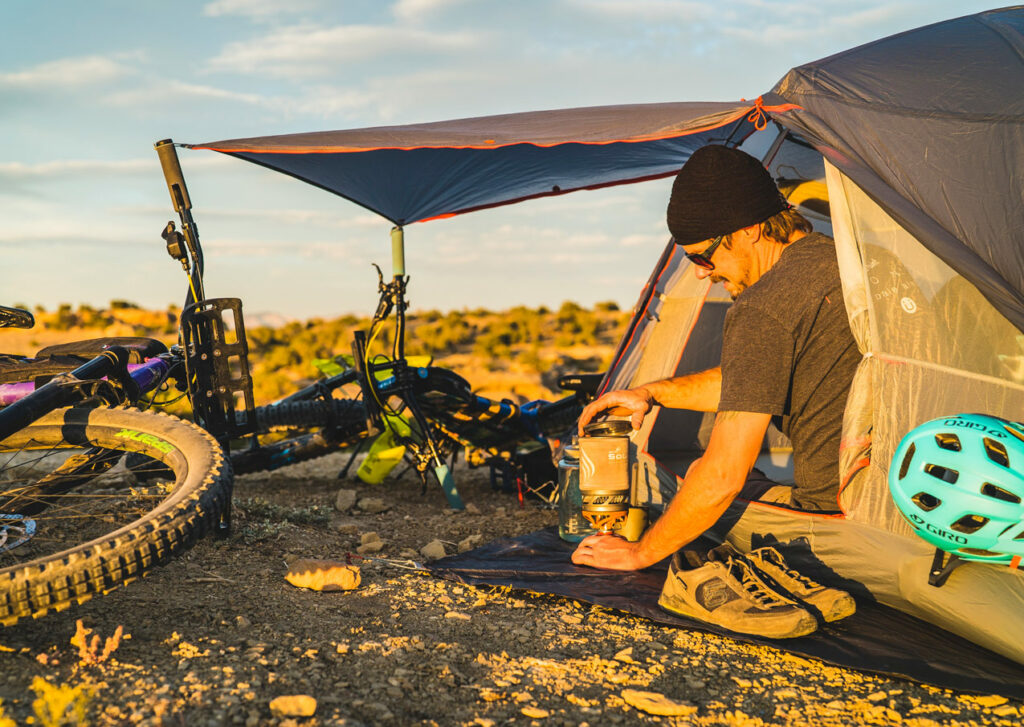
(876,639)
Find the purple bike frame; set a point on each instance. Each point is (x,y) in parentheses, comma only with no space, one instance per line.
(147,375)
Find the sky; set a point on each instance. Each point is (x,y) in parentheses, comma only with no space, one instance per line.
(86,88)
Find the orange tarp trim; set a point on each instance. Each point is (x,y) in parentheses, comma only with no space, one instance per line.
(755,112)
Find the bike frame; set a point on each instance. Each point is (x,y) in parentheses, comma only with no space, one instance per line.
(444,410)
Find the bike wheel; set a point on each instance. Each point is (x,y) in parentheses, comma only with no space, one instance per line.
(99,525)
(313,429)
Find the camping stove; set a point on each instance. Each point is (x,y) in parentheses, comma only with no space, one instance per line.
(604,474)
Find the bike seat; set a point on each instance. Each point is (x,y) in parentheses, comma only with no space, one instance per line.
(139,348)
(15,318)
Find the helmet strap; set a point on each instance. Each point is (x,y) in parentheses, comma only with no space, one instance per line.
(941,568)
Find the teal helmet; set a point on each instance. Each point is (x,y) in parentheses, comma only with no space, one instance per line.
(959,482)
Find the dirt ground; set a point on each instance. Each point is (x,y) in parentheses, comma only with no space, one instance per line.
(216,635)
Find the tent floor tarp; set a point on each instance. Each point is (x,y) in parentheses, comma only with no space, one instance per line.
(876,639)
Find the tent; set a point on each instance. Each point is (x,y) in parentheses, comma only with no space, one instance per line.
(909,149)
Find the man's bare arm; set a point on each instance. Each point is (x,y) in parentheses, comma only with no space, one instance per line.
(699,392)
(703,496)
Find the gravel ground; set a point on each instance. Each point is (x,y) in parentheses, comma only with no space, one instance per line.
(216,635)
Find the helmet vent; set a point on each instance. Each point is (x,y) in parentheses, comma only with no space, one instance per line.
(905,466)
(1016,429)
(969,524)
(996,452)
(948,440)
(942,473)
(999,493)
(925,501)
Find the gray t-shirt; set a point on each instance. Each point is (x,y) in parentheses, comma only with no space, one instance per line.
(787,350)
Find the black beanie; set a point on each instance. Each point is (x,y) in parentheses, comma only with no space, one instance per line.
(718,191)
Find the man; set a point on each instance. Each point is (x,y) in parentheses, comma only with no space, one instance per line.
(788,356)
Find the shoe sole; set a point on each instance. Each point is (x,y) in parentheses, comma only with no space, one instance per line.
(804,626)
(842,608)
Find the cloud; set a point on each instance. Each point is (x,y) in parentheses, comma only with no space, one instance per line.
(647,10)
(415,10)
(316,218)
(66,72)
(71,167)
(652,242)
(307,51)
(778,24)
(156,93)
(74,168)
(258,10)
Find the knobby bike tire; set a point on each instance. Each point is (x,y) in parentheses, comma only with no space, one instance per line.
(318,428)
(346,413)
(187,506)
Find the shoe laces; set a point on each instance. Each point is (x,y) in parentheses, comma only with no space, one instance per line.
(758,589)
(775,557)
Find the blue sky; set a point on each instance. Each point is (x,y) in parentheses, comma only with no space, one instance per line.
(86,88)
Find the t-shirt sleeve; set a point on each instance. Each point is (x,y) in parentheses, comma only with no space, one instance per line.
(757,362)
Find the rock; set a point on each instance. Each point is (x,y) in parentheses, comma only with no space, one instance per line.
(626,656)
(409,553)
(373,505)
(472,509)
(655,703)
(345,500)
(242,622)
(433,550)
(370,537)
(471,542)
(458,616)
(374,546)
(535,712)
(346,527)
(323,575)
(294,705)
(877,696)
(991,700)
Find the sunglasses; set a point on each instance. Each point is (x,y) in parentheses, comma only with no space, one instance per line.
(703,259)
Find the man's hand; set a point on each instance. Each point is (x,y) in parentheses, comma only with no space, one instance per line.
(608,551)
(634,402)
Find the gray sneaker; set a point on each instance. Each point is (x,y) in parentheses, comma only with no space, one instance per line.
(726,591)
(833,603)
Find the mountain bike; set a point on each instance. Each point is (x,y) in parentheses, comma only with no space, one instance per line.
(92,495)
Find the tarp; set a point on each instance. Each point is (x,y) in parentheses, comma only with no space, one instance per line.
(875,639)
(422,171)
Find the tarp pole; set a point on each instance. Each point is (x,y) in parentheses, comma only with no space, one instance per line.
(397,252)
